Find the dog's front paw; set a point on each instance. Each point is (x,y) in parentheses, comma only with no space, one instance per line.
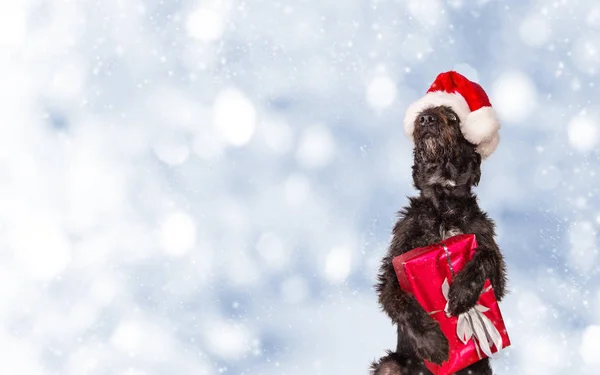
(463,295)
(433,346)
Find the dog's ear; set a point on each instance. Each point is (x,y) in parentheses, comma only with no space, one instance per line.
(476,168)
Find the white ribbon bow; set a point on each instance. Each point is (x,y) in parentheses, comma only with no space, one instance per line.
(473,324)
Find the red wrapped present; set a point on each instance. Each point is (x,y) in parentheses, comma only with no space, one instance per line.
(426,273)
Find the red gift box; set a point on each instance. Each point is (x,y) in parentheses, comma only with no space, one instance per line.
(426,273)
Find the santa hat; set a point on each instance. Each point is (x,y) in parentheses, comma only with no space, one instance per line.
(479,123)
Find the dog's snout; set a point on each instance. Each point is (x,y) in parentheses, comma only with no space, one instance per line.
(427,119)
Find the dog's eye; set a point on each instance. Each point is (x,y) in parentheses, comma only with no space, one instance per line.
(452,116)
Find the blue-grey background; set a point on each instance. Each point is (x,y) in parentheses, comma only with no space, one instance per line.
(207,187)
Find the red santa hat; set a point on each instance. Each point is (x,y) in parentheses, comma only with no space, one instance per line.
(478,120)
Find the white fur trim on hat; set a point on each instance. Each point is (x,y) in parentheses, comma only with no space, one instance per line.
(487,147)
(434,99)
(480,125)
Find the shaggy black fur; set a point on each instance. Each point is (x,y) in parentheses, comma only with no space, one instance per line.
(446,167)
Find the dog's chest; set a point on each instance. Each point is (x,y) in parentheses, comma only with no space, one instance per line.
(450,221)
(448,231)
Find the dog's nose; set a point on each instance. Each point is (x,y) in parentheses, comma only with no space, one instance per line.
(427,119)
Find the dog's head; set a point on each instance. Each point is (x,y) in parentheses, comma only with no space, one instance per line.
(442,155)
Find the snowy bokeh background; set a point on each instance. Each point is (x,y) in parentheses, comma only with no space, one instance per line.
(207,187)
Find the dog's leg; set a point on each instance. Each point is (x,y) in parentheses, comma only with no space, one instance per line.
(420,330)
(394,364)
(478,368)
(388,365)
(486,263)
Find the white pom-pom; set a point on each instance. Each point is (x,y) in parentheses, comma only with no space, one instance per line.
(480,125)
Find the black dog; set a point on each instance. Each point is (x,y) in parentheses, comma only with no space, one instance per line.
(446,167)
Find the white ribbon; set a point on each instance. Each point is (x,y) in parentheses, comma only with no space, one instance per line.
(473,324)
